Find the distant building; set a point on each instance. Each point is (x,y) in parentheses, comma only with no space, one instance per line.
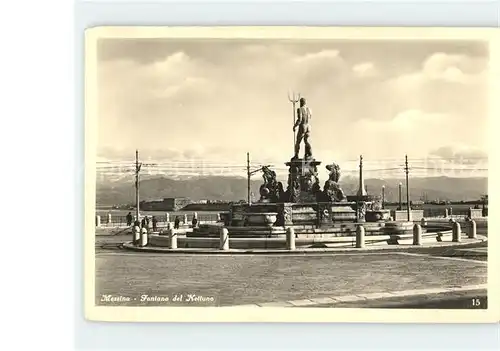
(417,204)
(166,204)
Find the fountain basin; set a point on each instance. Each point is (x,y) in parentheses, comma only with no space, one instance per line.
(312,230)
(260,219)
(395,228)
(311,240)
(377,215)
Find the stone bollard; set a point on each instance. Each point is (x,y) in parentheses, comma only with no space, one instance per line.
(423,222)
(457,231)
(417,234)
(472,229)
(360,236)
(290,238)
(97,221)
(224,239)
(185,218)
(172,239)
(136,234)
(109,218)
(144,237)
(446,214)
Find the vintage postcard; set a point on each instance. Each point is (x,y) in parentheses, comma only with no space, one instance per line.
(291,174)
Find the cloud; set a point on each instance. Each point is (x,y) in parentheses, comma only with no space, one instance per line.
(462,154)
(457,69)
(455,85)
(235,101)
(365,70)
(453,68)
(409,120)
(315,58)
(413,132)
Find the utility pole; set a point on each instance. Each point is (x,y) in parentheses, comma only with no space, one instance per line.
(407,190)
(383,197)
(294,98)
(248,179)
(249,175)
(137,170)
(400,190)
(138,166)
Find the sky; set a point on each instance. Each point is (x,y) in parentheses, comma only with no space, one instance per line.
(191,104)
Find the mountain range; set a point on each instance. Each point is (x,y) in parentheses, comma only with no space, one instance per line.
(235,188)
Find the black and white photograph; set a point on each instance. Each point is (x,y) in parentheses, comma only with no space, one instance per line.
(299,168)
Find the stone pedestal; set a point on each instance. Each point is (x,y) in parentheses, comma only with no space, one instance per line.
(224,239)
(172,238)
(360,237)
(144,237)
(417,234)
(472,233)
(456,233)
(290,239)
(303,181)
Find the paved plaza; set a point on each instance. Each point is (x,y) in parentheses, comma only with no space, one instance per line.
(218,280)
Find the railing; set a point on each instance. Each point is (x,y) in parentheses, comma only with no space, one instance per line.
(441,212)
(121,221)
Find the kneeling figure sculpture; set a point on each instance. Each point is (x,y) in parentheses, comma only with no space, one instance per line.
(332,190)
(271,190)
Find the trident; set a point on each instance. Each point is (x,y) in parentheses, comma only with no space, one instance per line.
(294,98)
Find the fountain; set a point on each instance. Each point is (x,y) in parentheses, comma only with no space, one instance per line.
(304,213)
(315,213)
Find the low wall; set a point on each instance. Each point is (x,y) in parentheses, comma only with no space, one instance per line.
(475,213)
(402,215)
(303,230)
(481,222)
(301,241)
(288,214)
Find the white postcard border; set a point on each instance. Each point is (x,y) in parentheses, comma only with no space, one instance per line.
(242,314)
